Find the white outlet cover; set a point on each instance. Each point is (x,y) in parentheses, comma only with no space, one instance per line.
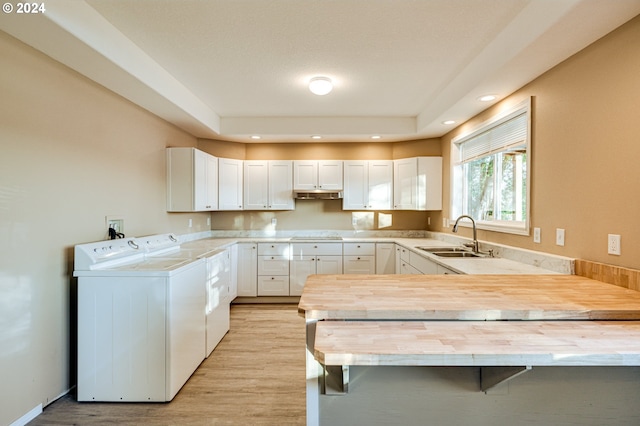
(560,237)
(613,244)
(536,235)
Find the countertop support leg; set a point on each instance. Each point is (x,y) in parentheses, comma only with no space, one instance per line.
(493,376)
(335,380)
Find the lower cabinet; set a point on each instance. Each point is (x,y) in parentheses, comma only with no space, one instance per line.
(312,258)
(219,291)
(247,269)
(385,258)
(273,269)
(359,258)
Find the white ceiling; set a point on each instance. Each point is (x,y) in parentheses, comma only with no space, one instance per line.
(229,69)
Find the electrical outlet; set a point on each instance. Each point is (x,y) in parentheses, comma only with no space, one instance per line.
(613,246)
(536,235)
(445,222)
(115,222)
(274,221)
(429,220)
(560,237)
(190,223)
(209,221)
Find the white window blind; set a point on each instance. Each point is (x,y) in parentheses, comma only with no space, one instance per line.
(510,132)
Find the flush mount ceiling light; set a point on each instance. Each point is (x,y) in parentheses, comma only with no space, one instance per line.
(487,98)
(320,85)
(316,137)
(255,137)
(375,137)
(447,122)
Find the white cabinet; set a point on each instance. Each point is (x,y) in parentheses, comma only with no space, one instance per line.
(368,185)
(310,175)
(385,258)
(230,184)
(268,185)
(273,269)
(417,183)
(247,269)
(403,261)
(312,258)
(192,180)
(359,258)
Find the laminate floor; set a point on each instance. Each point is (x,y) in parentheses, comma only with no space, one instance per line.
(255,376)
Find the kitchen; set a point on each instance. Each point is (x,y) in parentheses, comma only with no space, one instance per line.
(74,152)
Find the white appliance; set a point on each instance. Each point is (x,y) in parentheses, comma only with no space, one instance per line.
(141,318)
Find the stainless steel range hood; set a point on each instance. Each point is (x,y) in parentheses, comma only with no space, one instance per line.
(318,194)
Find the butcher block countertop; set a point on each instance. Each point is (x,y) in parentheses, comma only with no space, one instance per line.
(472,343)
(466,297)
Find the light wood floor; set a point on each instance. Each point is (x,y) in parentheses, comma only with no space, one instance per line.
(255,376)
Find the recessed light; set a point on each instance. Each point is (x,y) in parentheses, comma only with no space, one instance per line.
(255,137)
(449,122)
(316,137)
(320,85)
(375,137)
(487,98)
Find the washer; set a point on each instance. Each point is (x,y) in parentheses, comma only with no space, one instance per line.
(141,318)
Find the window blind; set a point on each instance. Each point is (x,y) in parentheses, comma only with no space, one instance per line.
(505,134)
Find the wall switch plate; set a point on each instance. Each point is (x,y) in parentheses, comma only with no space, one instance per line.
(190,223)
(209,221)
(613,245)
(560,237)
(536,235)
(445,222)
(274,221)
(429,220)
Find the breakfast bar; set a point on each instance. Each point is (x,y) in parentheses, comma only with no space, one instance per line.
(397,349)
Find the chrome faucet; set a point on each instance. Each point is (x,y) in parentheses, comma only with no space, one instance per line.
(475,238)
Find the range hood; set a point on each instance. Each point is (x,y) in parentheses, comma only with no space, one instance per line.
(317,194)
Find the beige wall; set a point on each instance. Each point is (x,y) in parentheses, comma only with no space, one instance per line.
(585,152)
(71,153)
(322,214)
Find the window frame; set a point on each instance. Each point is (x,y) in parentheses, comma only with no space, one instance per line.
(457,175)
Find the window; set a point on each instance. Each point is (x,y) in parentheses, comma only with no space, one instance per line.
(491,170)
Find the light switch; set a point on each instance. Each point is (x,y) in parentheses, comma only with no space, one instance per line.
(536,235)
(560,237)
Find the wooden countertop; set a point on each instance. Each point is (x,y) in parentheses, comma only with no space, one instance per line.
(466,297)
(484,343)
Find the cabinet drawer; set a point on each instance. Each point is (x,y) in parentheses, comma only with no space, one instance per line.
(273,265)
(404,253)
(311,249)
(362,249)
(273,286)
(359,265)
(273,249)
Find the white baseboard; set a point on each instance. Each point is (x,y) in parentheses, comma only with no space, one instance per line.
(32,414)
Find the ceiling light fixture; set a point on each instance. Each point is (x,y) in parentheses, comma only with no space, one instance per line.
(316,137)
(320,85)
(449,122)
(487,98)
(255,137)
(375,137)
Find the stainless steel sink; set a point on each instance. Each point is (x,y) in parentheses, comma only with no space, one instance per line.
(443,249)
(458,254)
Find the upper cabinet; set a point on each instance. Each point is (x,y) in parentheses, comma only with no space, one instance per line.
(368,185)
(417,183)
(230,180)
(192,180)
(311,175)
(268,185)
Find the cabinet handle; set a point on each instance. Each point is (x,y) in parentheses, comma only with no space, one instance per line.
(358,246)
(272,278)
(272,257)
(315,246)
(358,258)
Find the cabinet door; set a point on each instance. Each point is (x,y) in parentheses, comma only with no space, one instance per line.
(230,184)
(330,175)
(329,265)
(398,259)
(305,175)
(205,181)
(405,268)
(429,183)
(247,269)
(256,185)
(405,190)
(233,272)
(385,258)
(380,185)
(360,265)
(301,267)
(280,196)
(355,186)
(422,264)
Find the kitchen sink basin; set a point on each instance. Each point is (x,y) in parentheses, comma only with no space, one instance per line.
(458,254)
(444,249)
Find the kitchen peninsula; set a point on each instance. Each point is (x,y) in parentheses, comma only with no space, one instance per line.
(401,349)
